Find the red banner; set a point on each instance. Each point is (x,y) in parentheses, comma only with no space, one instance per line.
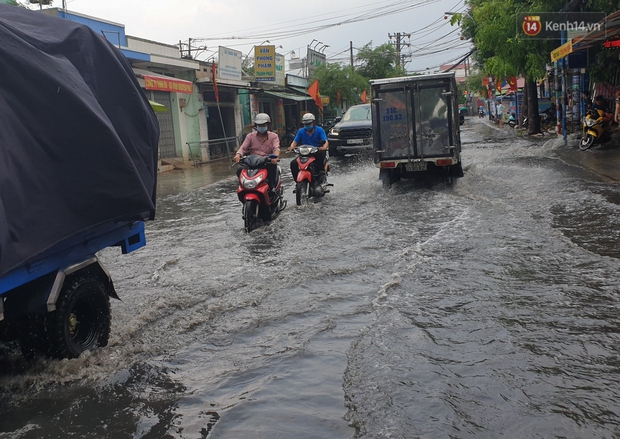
(214,73)
(168,84)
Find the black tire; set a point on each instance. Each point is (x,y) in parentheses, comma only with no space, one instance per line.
(586,142)
(250,215)
(301,193)
(81,321)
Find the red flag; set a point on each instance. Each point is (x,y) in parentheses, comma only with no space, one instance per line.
(213,72)
(313,91)
(363,96)
(513,83)
(338,97)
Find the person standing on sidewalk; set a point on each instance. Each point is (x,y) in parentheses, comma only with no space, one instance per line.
(617,111)
(500,113)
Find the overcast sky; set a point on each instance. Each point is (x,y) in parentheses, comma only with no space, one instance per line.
(240,24)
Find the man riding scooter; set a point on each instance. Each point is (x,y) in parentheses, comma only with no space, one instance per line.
(262,142)
(310,135)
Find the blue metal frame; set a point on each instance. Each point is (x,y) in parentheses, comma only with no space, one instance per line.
(129,236)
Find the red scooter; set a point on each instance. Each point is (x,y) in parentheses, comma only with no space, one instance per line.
(310,181)
(253,191)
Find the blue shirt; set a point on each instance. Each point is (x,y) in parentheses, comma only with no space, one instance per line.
(303,138)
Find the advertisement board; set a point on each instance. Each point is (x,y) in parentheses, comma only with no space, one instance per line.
(229,64)
(315,59)
(265,63)
(280,73)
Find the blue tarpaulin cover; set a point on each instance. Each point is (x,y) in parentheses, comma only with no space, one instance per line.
(78,138)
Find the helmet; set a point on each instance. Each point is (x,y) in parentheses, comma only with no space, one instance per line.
(307,118)
(262,118)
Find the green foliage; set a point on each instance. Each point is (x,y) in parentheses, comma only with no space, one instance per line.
(474,83)
(380,62)
(247,66)
(333,77)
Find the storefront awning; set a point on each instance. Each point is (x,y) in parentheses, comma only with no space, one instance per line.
(291,96)
(153,81)
(301,90)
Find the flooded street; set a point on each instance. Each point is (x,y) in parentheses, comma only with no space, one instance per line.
(484,309)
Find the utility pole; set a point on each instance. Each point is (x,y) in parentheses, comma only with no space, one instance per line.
(398,44)
(351,52)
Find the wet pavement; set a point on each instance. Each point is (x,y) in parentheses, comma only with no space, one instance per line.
(603,160)
(485,308)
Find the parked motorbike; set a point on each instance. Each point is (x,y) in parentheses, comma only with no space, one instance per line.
(595,129)
(311,182)
(512,121)
(253,191)
(288,137)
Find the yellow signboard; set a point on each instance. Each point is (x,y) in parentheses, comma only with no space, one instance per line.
(562,51)
(265,63)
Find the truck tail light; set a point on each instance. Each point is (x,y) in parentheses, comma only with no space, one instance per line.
(444,162)
(388,164)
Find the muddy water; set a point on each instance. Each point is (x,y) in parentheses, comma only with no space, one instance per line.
(483,309)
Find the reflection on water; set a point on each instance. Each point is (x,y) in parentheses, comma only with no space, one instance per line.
(200,176)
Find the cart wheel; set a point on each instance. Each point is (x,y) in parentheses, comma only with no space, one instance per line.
(81,321)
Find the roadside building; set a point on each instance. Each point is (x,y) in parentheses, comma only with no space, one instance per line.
(165,77)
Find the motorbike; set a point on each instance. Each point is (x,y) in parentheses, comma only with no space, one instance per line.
(258,204)
(288,137)
(311,182)
(481,113)
(512,121)
(595,129)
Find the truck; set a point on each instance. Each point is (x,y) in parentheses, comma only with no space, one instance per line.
(416,129)
(78,168)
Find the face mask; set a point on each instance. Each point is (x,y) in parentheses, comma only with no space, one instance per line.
(261,130)
(309,127)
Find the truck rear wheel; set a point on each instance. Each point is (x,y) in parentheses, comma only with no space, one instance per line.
(81,321)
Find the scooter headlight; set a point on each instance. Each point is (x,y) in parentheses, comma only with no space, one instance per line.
(590,122)
(251,183)
(304,150)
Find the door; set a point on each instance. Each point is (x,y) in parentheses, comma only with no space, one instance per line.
(394,121)
(434,116)
(167,147)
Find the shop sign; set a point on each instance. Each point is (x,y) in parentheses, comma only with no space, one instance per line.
(265,63)
(168,84)
(562,51)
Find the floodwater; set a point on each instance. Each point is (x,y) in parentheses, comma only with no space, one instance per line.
(484,309)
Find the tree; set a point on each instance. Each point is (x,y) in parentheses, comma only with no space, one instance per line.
(501,52)
(337,79)
(380,62)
